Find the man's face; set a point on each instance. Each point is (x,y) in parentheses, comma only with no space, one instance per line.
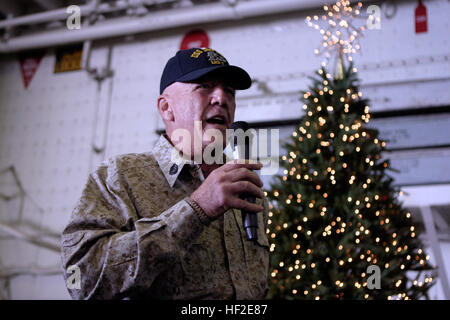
(209,100)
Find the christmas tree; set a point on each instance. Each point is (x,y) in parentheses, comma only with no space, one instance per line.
(336,227)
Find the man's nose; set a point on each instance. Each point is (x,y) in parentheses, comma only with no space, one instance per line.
(218,96)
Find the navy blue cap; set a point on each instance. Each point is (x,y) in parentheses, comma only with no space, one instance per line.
(191,64)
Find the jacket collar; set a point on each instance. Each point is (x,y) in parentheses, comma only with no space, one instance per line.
(169,159)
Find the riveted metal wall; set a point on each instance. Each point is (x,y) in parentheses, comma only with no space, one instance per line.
(47,131)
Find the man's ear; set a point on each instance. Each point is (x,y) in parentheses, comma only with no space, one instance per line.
(164,108)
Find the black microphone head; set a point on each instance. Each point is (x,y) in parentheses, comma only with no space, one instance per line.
(236,127)
(242,137)
(239,125)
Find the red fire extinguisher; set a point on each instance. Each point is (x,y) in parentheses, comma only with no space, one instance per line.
(421,18)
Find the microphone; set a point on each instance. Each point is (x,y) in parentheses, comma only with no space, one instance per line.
(241,150)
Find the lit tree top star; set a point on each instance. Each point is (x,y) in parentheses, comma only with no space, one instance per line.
(340,30)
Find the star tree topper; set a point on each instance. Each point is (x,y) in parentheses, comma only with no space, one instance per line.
(340,32)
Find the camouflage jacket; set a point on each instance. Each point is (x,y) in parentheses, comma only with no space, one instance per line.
(135,234)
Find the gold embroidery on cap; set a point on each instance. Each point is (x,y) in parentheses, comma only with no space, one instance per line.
(196,53)
(216,58)
(213,56)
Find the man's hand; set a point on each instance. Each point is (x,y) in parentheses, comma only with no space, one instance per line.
(221,189)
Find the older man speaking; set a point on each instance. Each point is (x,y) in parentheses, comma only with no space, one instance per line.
(160,225)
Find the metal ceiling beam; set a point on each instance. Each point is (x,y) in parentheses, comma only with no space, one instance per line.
(85,10)
(159,20)
(41,17)
(49,4)
(10,8)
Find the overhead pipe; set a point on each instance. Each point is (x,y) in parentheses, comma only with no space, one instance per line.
(42,17)
(156,21)
(86,57)
(85,10)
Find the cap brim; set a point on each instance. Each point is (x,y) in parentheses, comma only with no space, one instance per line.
(236,76)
